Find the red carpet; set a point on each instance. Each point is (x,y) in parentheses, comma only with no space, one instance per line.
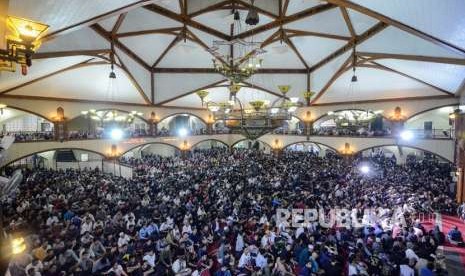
(447,223)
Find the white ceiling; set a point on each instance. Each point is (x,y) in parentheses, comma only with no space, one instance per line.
(134,82)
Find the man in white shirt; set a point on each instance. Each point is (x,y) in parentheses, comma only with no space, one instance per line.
(123,239)
(149,257)
(180,268)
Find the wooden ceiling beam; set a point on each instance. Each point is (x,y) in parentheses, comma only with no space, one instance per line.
(190,92)
(447,45)
(163,54)
(350,27)
(360,39)
(213,71)
(259,10)
(250,85)
(72,67)
(438,97)
(385,68)
(53,99)
(285,20)
(185,19)
(293,33)
(333,78)
(376,56)
(285,6)
(107,36)
(214,7)
(294,49)
(118,23)
(134,81)
(172,31)
(95,19)
(70,53)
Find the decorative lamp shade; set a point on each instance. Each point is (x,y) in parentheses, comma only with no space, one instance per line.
(284,88)
(234,88)
(308,96)
(202,94)
(60,114)
(25,30)
(257,105)
(213,107)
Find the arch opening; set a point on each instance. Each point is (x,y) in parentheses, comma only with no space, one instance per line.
(433,123)
(210,144)
(353,122)
(181,124)
(99,124)
(25,125)
(252,144)
(62,158)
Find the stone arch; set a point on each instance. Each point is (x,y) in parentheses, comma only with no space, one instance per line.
(183,113)
(312,142)
(245,139)
(217,140)
(406,146)
(53,149)
(346,109)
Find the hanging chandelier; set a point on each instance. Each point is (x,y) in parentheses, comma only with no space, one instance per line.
(112,117)
(258,117)
(243,61)
(21,43)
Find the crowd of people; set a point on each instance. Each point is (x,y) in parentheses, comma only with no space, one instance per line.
(214,213)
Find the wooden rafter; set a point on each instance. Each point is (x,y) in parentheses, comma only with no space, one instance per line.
(363,37)
(286,20)
(172,31)
(350,27)
(70,53)
(167,49)
(400,25)
(118,23)
(251,85)
(107,36)
(72,67)
(438,97)
(152,87)
(185,19)
(294,49)
(193,37)
(259,10)
(292,33)
(333,78)
(134,81)
(95,19)
(382,67)
(53,99)
(285,6)
(376,56)
(211,8)
(191,92)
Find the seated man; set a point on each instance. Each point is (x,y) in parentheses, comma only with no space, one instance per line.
(455,236)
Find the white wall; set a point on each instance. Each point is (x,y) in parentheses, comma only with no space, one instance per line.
(115,168)
(159,149)
(439,117)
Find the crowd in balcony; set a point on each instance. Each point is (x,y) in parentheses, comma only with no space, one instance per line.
(215,213)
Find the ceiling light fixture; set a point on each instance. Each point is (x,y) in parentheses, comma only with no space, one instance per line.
(354,65)
(22,42)
(252,17)
(246,59)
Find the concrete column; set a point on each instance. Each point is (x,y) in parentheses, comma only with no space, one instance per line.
(460,155)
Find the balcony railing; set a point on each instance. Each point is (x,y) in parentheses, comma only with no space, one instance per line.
(37,136)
